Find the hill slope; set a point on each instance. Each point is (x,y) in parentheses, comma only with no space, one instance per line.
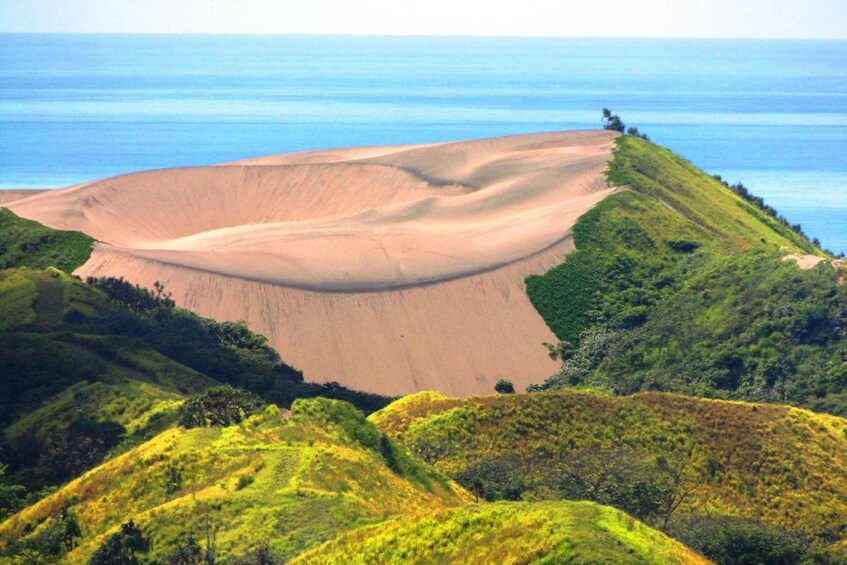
(509,533)
(680,284)
(418,252)
(288,481)
(773,463)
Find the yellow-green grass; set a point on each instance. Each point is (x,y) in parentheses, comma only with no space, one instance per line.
(44,297)
(136,405)
(779,464)
(726,220)
(311,480)
(508,533)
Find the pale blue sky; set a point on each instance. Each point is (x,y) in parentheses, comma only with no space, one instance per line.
(633,18)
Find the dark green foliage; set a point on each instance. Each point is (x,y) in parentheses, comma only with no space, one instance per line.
(173,478)
(122,548)
(61,455)
(225,351)
(260,556)
(218,406)
(736,541)
(504,387)
(24,243)
(58,537)
(500,478)
(244,481)
(11,495)
(133,297)
(621,477)
(188,552)
(612,121)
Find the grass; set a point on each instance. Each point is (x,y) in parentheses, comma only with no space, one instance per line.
(778,464)
(311,480)
(25,243)
(508,533)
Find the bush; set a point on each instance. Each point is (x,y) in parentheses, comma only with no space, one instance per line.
(735,541)
(123,547)
(504,387)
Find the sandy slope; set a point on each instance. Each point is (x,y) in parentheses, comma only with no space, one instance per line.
(390,269)
(12,194)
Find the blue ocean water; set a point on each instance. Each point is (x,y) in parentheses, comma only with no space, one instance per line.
(772,114)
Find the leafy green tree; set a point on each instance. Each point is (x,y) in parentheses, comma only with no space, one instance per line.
(188,552)
(504,387)
(218,406)
(501,478)
(122,548)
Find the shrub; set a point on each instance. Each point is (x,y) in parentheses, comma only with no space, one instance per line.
(504,387)
(123,547)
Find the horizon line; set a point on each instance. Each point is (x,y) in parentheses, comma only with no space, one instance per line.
(423,35)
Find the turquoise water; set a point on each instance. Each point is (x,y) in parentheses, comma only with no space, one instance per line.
(772,114)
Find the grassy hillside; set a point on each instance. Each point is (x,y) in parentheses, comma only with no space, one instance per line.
(25,243)
(781,465)
(679,284)
(508,533)
(86,374)
(288,481)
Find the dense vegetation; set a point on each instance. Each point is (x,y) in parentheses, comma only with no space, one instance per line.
(24,243)
(661,458)
(679,284)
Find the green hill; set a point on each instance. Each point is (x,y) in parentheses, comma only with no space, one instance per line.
(680,284)
(288,481)
(509,533)
(25,243)
(657,456)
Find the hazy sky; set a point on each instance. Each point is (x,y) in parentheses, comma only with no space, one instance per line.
(647,18)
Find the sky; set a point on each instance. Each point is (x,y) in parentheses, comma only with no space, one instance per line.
(807,19)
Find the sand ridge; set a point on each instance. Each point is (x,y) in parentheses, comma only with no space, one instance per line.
(391,269)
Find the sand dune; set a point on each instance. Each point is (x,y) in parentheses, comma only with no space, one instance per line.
(391,269)
(12,194)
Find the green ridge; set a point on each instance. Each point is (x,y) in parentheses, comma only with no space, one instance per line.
(678,284)
(25,243)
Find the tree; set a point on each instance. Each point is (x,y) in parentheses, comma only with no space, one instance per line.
(619,476)
(10,495)
(218,406)
(501,478)
(188,552)
(612,121)
(504,387)
(123,547)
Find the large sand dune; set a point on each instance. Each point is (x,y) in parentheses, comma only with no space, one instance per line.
(390,269)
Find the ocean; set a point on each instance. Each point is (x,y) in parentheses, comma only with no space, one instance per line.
(771,114)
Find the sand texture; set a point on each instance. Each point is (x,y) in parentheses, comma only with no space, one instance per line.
(12,194)
(388,269)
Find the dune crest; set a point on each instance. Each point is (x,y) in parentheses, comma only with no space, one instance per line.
(389,269)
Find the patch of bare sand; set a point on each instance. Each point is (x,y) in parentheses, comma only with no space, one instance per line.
(389,269)
(12,194)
